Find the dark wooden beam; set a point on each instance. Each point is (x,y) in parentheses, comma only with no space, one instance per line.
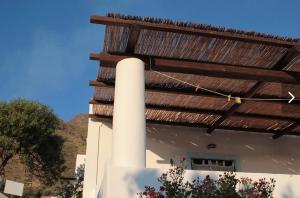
(166,108)
(290,54)
(189,30)
(101,117)
(134,32)
(235,107)
(146,59)
(185,91)
(283,62)
(204,111)
(207,69)
(280,65)
(287,130)
(194,125)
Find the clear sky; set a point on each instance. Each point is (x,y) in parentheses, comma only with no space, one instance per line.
(45,44)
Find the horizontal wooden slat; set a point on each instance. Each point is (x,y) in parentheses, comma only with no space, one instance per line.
(207,69)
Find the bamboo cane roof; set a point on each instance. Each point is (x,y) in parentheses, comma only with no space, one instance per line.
(234,62)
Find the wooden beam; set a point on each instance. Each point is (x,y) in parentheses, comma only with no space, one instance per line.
(207,69)
(279,66)
(287,130)
(204,111)
(290,54)
(104,20)
(134,32)
(146,59)
(235,107)
(166,108)
(195,125)
(185,91)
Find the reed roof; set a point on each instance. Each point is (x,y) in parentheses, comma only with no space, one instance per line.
(233,62)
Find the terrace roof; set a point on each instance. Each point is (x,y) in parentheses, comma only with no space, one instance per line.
(181,57)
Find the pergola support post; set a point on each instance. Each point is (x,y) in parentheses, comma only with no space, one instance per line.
(129,123)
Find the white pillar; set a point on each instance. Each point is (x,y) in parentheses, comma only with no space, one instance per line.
(129,124)
(92,154)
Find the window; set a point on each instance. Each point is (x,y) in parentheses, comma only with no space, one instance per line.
(212,164)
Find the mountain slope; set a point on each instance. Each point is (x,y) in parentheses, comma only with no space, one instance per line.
(74,133)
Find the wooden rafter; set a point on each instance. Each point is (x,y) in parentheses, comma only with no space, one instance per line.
(287,130)
(287,58)
(155,89)
(192,110)
(195,125)
(134,32)
(282,63)
(235,107)
(207,69)
(185,91)
(204,111)
(188,30)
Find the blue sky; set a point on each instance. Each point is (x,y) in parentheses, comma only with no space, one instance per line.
(45,45)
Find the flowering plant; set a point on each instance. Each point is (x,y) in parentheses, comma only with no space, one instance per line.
(226,186)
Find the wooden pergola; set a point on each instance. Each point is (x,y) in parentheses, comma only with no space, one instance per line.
(258,67)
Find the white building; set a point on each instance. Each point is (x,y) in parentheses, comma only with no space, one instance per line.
(80,161)
(154,71)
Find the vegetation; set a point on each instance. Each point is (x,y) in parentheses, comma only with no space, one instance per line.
(73,133)
(73,189)
(226,186)
(27,131)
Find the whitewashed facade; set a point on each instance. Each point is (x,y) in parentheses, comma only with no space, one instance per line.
(123,158)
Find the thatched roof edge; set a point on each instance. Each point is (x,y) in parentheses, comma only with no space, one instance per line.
(200,26)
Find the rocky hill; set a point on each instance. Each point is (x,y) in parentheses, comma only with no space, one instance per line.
(74,133)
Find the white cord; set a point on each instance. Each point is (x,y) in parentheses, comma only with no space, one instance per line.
(215,92)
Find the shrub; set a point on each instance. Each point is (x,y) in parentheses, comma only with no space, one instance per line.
(73,189)
(226,186)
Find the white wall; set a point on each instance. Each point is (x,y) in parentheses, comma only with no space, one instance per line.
(127,182)
(80,160)
(98,155)
(253,152)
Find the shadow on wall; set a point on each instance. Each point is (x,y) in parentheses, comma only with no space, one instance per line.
(255,152)
(165,145)
(288,193)
(137,181)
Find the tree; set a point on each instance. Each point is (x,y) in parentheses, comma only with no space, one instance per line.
(27,130)
(73,189)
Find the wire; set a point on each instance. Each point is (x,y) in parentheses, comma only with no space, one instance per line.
(197,87)
(192,85)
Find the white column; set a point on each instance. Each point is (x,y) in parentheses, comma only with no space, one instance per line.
(129,124)
(91,165)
